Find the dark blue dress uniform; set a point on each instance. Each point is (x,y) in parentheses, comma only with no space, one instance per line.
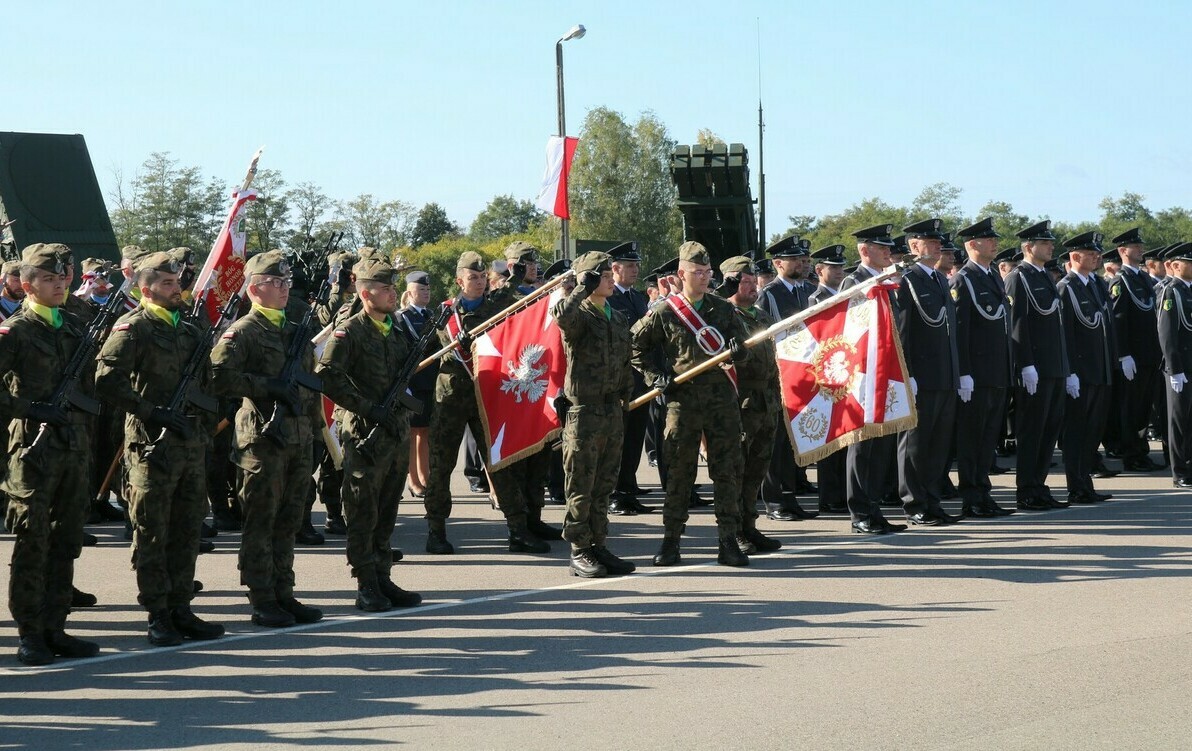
(1036,341)
(632,304)
(926,322)
(1088,337)
(1175,339)
(983,354)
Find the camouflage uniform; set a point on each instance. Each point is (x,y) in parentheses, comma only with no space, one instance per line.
(140,366)
(598,387)
(47,503)
(706,405)
(761,410)
(275,474)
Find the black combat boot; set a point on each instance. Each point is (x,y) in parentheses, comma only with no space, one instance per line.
(668,554)
(225,520)
(585,564)
(616,566)
(33,650)
(368,593)
(397,596)
(81,599)
(161,629)
(302,613)
(106,511)
(730,552)
(308,535)
(437,544)
(193,627)
(63,644)
(523,541)
(539,528)
(760,543)
(267,612)
(335,520)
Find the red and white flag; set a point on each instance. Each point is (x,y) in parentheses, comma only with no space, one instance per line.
(519,366)
(843,377)
(223,272)
(553,196)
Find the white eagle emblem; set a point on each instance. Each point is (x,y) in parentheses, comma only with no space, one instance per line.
(524,377)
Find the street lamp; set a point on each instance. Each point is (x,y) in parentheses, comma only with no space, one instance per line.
(576,32)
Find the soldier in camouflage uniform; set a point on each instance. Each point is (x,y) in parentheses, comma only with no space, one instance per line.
(275,466)
(598,388)
(139,369)
(455,408)
(48,502)
(758,395)
(706,405)
(358,366)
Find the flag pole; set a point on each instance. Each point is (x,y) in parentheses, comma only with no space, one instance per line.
(516,307)
(773,330)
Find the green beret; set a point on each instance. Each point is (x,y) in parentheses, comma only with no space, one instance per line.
(133,253)
(44,256)
(593,261)
(10,268)
(270,263)
(693,252)
(165,262)
(374,270)
(521,251)
(738,265)
(471,260)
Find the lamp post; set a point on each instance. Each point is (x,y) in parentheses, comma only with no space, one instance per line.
(576,32)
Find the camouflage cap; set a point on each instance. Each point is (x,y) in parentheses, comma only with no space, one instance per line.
(738,265)
(375,270)
(96,266)
(133,253)
(694,252)
(520,250)
(368,251)
(593,261)
(64,252)
(44,256)
(184,256)
(164,262)
(10,268)
(270,263)
(471,260)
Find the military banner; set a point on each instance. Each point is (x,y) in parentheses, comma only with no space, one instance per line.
(223,271)
(843,377)
(519,367)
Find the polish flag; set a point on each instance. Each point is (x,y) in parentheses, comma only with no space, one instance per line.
(553,196)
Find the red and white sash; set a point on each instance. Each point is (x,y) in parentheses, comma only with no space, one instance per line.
(454,326)
(709,338)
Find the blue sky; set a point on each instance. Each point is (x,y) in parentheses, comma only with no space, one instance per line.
(1048,105)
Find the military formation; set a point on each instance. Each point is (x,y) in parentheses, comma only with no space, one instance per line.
(125,387)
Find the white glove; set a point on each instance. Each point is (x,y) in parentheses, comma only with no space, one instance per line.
(1129,369)
(1177,382)
(914,389)
(966,388)
(1030,379)
(1073,386)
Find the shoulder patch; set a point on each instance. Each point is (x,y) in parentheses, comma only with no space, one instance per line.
(122,327)
(340,334)
(228,335)
(1166,306)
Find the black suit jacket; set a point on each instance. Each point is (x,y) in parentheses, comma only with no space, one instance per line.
(1175,327)
(632,304)
(1087,330)
(780,302)
(1135,322)
(1036,325)
(927,324)
(982,326)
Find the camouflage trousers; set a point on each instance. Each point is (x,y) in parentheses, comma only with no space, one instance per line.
(455,409)
(521,488)
(272,493)
(592,438)
(166,507)
(758,426)
(46,511)
(711,411)
(371,492)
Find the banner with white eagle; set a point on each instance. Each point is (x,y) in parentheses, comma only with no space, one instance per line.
(843,377)
(519,367)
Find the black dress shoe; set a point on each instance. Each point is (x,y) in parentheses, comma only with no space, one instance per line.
(63,644)
(437,544)
(308,535)
(668,554)
(637,490)
(478,484)
(889,526)
(208,532)
(1104,473)
(336,525)
(999,510)
(90,540)
(833,508)
(81,599)
(226,521)
(803,513)
(614,565)
(206,546)
(947,518)
(525,542)
(760,542)
(107,512)
(697,501)
(396,555)
(1100,497)
(302,613)
(867,527)
(781,515)
(890,500)
(1082,498)
(161,630)
(33,651)
(636,505)
(1033,503)
(584,564)
(619,506)
(730,553)
(1140,464)
(193,627)
(804,487)
(980,511)
(1181,483)
(997,469)
(1057,503)
(926,519)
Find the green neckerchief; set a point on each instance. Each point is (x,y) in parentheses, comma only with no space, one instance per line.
(384,326)
(275,316)
(134,293)
(169,316)
(608,310)
(52,316)
(697,305)
(751,311)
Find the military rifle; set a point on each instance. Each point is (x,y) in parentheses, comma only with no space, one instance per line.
(68,394)
(187,393)
(292,374)
(399,391)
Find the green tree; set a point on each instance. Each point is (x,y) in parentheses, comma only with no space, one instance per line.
(166,205)
(940,200)
(708,139)
(310,206)
(836,229)
(620,186)
(266,220)
(1006,221)
(430,225)
(380,224)
(505,215)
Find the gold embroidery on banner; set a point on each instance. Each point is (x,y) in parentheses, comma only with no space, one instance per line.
(835,368)
(813,425)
